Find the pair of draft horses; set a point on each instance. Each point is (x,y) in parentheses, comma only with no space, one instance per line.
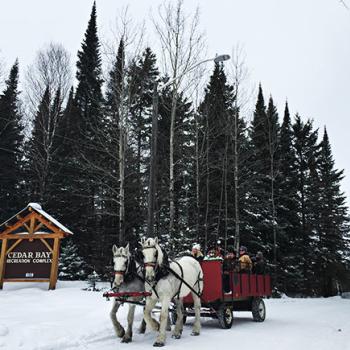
(185,276)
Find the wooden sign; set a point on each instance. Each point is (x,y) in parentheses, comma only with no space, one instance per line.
(29,259)
(30,247)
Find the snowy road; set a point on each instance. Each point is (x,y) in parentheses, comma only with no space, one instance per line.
(32,318)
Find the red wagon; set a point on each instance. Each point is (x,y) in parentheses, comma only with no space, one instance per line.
(225,291)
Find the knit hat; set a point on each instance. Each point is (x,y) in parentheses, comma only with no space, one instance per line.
(243,248)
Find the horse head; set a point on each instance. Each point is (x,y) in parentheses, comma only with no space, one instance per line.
(152,257)
(121,260)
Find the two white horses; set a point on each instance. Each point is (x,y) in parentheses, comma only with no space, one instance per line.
(170,288)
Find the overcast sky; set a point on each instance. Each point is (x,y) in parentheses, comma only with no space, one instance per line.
(298,49)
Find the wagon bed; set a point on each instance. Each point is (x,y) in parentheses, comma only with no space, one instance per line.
(228,291)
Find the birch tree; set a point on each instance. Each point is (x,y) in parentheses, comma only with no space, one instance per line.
(182,44)
(48,80)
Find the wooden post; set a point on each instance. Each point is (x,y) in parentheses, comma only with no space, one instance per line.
(3,262)
(54,264)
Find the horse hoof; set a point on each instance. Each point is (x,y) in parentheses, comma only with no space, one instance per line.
(176,336)
(195,333)
(158,344)
(126,340)
(121,333)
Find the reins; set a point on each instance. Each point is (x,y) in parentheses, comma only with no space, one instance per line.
(199,293)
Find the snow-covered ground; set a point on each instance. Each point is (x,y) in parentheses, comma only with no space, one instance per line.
(32,318)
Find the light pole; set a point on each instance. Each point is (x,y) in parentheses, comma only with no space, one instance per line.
(153,162)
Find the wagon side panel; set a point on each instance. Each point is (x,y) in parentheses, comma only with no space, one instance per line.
(212,278)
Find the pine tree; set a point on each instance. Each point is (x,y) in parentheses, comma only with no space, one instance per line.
(86,151)
(65,162)
(302,252)
(11,138)
(142,76)
(39,151)
(71,266)
(333,220)
(264,165)
(287,199)
(216,114)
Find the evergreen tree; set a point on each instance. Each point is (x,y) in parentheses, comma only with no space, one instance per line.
(86,151)
(287,198)
(71,266)
(332,225)
(11,138)
(142,76)
(264,165)
(216,114)
(41,148)
(302,251)
(65,163)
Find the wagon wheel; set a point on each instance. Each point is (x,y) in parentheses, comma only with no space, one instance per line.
(258,310)
(173,317)
(225,316)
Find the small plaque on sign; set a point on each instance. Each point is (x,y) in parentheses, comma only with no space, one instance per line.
(29,274)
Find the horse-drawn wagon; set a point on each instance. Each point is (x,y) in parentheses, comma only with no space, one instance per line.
(223,293)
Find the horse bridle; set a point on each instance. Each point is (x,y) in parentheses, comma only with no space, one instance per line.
(154,263)
(122,272)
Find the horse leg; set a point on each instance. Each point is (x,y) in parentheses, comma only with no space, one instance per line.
(168,324)
(197,312)
(142,328)
(179,320)
(128,335)
(160,341)
(150,321)
(119,330)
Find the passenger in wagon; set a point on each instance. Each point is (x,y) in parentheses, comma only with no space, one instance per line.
(213,254)
(230,264)
(245,263)
(259,264)
(196,252)
(230,260)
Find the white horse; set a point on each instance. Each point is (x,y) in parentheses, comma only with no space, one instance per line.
(128,278)
(168,287)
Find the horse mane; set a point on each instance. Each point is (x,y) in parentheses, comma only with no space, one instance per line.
(163,263)
(160,255)
(132,270)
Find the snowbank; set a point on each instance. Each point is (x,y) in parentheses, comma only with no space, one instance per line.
(33,318)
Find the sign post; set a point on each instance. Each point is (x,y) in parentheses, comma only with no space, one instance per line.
(30,247)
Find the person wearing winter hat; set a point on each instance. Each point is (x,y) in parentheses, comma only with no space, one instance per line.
(259,264)
(230,261)
(245,263)
(196,252)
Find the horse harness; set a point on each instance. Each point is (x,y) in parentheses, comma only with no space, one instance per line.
(182,281)
(165,270)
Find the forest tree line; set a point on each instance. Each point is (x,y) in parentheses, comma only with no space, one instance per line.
(270,183)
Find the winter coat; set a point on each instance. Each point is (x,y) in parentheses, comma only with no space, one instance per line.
(230,264)
(245,263)
(259,266)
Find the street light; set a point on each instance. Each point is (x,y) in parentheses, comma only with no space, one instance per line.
(216,59)
(152,175)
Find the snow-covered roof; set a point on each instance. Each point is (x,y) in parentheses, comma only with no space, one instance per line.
(38,209)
